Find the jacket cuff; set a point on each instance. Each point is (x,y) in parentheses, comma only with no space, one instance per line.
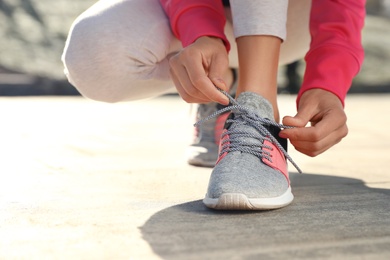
(198,22)
(330,68)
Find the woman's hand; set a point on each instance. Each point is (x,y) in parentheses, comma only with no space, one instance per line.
(325,112)
(198,68)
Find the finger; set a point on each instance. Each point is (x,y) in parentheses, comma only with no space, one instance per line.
(217,69)
(327,123)
(183,93)
(316,148)
(301,119)
(310,141)
(201,82)
(183,82)
(310,134)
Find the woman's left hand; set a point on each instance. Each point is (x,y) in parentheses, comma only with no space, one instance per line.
(325,112)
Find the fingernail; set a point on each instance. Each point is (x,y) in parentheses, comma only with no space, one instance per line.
(283,135)
(224,101)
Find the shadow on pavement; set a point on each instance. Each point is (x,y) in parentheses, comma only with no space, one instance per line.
(35,86)
(330,216)
(358,88)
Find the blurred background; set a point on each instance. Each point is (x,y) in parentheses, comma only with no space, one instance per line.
(33,33)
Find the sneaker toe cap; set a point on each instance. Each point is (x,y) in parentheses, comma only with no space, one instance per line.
(245,174)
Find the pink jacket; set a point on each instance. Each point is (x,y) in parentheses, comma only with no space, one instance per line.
(336,53)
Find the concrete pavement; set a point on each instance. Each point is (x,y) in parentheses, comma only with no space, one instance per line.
(87,180)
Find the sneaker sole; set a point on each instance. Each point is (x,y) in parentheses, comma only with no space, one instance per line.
(201,163)
(239,201)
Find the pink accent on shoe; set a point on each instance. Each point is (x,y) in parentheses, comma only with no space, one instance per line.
(278,159)
(226,137)
(219,125)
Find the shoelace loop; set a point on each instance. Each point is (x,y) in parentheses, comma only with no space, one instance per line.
(247,116)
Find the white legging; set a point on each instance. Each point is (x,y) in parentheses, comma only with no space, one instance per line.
(117,50)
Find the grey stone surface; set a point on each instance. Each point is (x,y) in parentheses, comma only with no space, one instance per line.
(88,180)
(376,42)
(33,34)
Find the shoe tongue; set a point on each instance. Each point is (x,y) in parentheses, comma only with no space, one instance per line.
(257,104)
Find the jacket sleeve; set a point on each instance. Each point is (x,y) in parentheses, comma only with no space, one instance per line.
(336,53)
(191,19)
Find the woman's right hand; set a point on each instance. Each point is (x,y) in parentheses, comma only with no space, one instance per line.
(198,68)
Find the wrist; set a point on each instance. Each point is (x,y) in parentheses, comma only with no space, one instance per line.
(210,39)
(318,95)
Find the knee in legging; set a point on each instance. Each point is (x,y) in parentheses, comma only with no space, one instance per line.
(94,63)
(105,57)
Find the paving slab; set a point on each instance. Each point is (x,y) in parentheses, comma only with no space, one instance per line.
(87,180)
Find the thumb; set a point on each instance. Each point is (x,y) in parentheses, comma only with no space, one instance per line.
(301,119)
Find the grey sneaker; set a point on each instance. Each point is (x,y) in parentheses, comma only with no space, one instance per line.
(251,171)
(204,150)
